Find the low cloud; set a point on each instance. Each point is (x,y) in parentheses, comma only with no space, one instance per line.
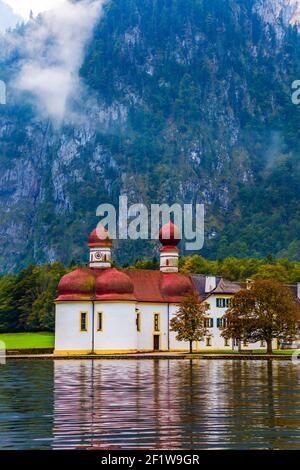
(24,7)
(54,50)
(8,19)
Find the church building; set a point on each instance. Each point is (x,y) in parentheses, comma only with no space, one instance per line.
(103,310)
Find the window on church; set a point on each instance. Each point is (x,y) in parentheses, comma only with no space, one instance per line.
(208,341)
(226,342)
(156,322)
(100,321)
(138,321)
(83,321)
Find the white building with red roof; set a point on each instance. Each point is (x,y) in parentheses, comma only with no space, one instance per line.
(104,310)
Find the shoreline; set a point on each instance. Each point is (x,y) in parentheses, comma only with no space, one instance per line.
(153,356)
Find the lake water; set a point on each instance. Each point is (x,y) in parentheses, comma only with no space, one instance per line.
(149,404)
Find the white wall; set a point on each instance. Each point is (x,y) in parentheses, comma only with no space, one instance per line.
(215,312)
(119,327)
(145,336)
(68,336)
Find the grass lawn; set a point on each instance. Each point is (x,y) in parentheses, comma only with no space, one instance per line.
(46,340)
(27,340)
(281,352)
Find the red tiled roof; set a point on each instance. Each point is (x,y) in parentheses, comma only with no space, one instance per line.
(77,285)
(113,284)
(146,285)
(175,286)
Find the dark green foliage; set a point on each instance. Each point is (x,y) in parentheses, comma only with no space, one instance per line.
(145,264)
(27,299)
(236,269)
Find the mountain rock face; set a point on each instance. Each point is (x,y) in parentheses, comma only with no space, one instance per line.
(279,13)
(184,101)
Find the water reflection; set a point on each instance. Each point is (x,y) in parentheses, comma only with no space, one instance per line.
(26,404)
(150,404)
(176,404)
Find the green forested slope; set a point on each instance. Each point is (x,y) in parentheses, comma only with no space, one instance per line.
(188,101)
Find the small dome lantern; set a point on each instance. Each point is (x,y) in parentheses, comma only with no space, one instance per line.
(100,244)
(169,237)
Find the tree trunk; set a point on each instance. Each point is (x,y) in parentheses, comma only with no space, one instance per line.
(191,347)
(269,347)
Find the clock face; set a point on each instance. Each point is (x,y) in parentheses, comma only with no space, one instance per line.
(99,256)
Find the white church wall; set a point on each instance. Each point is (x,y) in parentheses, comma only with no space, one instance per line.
(119,333)
(145,340)
(119,330)
(68,337)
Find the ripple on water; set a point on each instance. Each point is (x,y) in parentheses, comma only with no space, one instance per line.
(159,404)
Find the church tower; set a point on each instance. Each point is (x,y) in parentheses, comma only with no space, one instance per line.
(169,237)
(100,244)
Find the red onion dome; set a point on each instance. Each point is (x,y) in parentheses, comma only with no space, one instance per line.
(175,285)
(77,285)
(112,281)
(100,238)
(169,235)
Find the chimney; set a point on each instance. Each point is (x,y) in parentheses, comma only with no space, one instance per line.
(210,283)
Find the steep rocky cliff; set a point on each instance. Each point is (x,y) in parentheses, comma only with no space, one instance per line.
(183,101)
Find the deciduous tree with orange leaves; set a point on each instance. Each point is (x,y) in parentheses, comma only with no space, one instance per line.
(189,322)
(264,312)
